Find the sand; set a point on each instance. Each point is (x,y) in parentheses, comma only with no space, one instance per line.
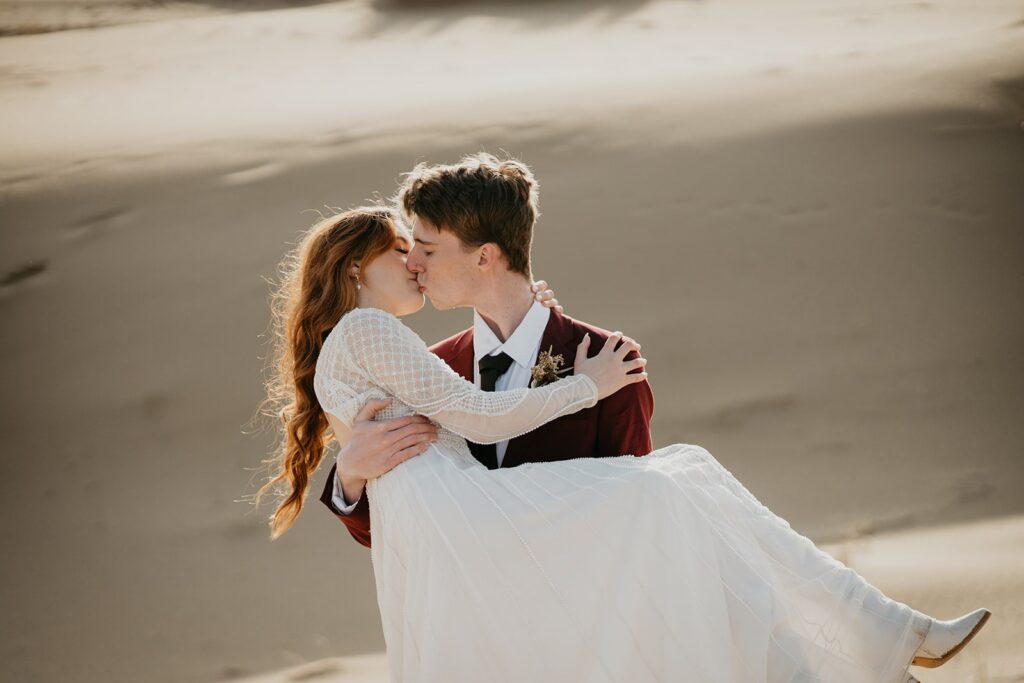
(810,217)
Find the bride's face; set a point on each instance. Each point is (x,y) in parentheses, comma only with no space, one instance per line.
(386,282)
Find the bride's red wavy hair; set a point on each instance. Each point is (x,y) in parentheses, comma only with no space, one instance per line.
(314,292)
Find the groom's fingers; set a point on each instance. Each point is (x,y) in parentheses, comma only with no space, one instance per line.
(408,452)
(413,440)
(400,422)
(371,408)
(411,431)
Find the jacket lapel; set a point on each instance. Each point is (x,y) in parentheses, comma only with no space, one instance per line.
(459,355)
(557,338)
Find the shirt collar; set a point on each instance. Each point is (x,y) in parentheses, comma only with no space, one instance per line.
(523,343)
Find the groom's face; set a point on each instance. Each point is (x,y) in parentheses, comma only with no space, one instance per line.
(446,270)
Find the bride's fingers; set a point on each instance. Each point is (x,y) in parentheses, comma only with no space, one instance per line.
(584,346)
(635,363)
(638,377)
(627,346)
(544,295)
(612,342)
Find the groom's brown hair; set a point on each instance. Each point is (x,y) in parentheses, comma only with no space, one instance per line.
(480,199)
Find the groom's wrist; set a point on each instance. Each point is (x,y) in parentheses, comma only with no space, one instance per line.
(351,488)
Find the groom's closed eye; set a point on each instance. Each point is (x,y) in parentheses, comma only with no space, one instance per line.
(424,244)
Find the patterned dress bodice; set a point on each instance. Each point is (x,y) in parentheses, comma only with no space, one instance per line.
(370,353)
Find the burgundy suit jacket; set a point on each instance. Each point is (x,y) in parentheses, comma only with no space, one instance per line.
(619,424)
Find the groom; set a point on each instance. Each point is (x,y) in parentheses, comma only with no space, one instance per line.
(472,223)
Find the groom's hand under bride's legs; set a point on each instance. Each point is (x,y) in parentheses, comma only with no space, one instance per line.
(377,447)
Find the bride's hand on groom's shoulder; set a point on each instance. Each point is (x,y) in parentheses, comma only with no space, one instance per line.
(609,368)
(546,296)
(377,447)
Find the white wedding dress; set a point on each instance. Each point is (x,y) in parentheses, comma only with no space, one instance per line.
(628,569)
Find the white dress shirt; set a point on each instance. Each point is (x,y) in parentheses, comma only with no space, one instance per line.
(523,346)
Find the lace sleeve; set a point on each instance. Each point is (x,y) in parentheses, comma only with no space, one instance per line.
(394,358)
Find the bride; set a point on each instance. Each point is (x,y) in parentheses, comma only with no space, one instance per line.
(533,573)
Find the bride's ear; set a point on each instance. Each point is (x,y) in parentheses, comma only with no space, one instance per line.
(353,272)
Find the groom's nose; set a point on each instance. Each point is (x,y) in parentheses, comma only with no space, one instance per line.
(413,263)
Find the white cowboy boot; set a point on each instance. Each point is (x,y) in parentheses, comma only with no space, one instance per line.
(945,638)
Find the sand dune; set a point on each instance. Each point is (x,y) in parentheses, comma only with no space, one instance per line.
(28,17)
(811,218)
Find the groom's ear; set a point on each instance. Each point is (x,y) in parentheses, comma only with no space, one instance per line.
(490,255)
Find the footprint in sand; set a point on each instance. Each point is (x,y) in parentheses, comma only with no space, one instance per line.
(954,210)
(251,174)
(972,488)
(736,413)
(26,272)
(155,405)
(803,210)
(95,223)
(316,670)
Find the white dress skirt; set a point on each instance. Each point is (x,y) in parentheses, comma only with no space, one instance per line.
(629,569)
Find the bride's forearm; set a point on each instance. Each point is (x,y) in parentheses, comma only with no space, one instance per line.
(535,408)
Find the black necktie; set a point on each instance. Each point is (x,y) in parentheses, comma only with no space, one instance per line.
(491,368)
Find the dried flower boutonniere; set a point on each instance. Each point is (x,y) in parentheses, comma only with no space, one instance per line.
(547,369)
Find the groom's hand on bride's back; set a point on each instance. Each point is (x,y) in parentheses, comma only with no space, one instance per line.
(377,447)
